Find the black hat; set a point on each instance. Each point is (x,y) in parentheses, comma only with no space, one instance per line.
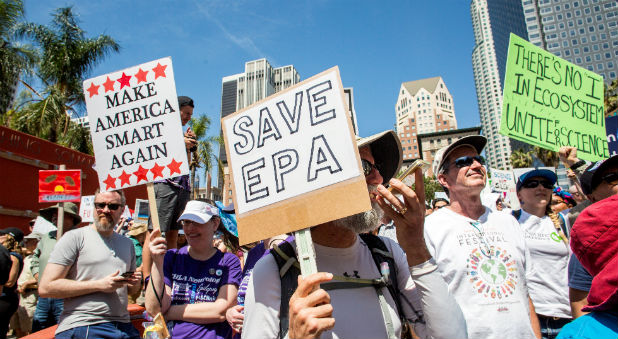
(15,232)
(185,101)
(386,150)
(591,178)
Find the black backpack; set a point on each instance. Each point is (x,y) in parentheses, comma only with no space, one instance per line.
(289,269)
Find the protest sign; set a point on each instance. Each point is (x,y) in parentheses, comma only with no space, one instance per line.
(294,160)
(86,208)
(141,210)
(550,102)
(501,180)
(60,185)
(611,126)
(135,125)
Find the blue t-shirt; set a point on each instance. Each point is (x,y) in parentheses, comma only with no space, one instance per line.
(579,278)
(194,281)
(595,325)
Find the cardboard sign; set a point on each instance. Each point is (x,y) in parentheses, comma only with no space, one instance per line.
(86,208)
(141,210)
(501,180)
(294,160)
(135,125)
(611,126)
(550,102)
(60,185)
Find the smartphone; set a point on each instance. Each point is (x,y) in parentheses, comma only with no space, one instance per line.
(127,274)
(407,176)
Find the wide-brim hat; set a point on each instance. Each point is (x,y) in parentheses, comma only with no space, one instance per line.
(198,211)
(543,173)
(69,208)
(34,235)
(478,142)
(138,228)
(386,150)
(591,178)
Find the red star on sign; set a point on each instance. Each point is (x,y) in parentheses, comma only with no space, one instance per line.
(124,80)
(159,70)
(110,182)
(174,166)
(93,90)
(157,170)
(109,85)
(141,76)
(124,178)
(141,174)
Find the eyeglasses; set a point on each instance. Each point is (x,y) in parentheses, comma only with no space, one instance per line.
(610,178)
(368,167)
(557,202)
(536,183)
(467,160)
(101,205)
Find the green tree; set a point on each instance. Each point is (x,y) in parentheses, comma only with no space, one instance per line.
(204,156)
(431,187)
(521,158)
(548,157)
(611,97)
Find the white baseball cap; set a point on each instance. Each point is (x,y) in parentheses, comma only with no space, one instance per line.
(199,212)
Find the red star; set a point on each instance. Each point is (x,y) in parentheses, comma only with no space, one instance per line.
(174,166)
(93,90)
(159,70)
(157,171)
(141,174)
(124,178)
(124,80)
(109,85)
(110,182)
(141,76)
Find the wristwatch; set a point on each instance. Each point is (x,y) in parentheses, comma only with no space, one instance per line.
(578,164)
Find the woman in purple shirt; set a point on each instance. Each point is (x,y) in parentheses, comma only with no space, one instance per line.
(195,285)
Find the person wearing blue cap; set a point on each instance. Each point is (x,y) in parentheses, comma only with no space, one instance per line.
(549,252)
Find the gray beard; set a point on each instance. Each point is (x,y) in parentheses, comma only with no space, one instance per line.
(365,221)
(103,227)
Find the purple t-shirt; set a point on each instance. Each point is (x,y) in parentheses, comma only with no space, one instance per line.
(193,281)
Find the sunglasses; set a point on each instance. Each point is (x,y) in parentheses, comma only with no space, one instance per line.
(536,183)
(101,205)
(467,160)
(368,167)
(610,178)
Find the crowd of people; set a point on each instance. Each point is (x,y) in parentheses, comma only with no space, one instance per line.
(454,268)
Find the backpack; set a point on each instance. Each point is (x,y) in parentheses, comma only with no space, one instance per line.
(289,269)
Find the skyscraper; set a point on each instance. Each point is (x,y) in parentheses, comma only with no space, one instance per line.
(423,106)
(492,22)
(238,91)
(584,32)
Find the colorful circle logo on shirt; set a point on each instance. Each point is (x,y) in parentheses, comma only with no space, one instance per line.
(219,273)
(494,276)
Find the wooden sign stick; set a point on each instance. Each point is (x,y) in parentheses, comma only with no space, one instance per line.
(152,203)
(60,221)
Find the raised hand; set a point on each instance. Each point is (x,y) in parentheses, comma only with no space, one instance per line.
(310,310)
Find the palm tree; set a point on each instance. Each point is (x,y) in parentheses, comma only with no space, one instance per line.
(548,157)
(611,97)
(521,158)
(15,58)
(204,156)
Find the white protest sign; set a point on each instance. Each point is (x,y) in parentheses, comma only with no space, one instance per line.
(141,212)
(42,226)
(294,147)
(135,125)
(501,180)
(86,208)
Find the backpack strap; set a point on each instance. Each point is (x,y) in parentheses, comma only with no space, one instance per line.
(289,270)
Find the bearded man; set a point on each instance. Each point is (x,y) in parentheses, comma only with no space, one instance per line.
(92,269)
(342,256)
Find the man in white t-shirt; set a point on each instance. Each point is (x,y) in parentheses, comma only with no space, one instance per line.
(341,255)
(481,253)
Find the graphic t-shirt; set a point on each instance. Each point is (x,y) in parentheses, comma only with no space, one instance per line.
(195,281)
(548,285)
(485,263)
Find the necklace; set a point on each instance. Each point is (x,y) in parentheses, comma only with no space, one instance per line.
(485,248)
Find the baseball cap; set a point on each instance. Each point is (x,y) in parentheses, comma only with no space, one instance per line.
(476,141)
(15,232)
(543,173)
(591,178)
(386,150)
(198,211)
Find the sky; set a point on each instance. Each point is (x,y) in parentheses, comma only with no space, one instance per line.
(377,47)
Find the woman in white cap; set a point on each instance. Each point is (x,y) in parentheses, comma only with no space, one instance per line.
(549,250)
(195,285)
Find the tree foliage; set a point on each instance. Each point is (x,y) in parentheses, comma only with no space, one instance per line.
(611,97)
(521,158)
(205,156)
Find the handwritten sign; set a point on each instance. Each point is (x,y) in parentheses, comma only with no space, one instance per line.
(294,160)
(60,185)
(135,125)
(550,102)
(86,208)
(501,180)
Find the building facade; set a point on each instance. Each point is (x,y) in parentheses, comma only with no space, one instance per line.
(423,106)
(584,32)
(492,22)
(430,143)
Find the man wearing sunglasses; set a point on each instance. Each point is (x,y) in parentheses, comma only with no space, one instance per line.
(480,252)
(92,268)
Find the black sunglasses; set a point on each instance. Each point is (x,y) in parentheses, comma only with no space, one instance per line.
(536,183)
(610,178)
(468,160)
(368,167)
(101,205)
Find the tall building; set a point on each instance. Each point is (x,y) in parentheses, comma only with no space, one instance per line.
(584,32)
(423,106)
(492,22)
(238,91)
